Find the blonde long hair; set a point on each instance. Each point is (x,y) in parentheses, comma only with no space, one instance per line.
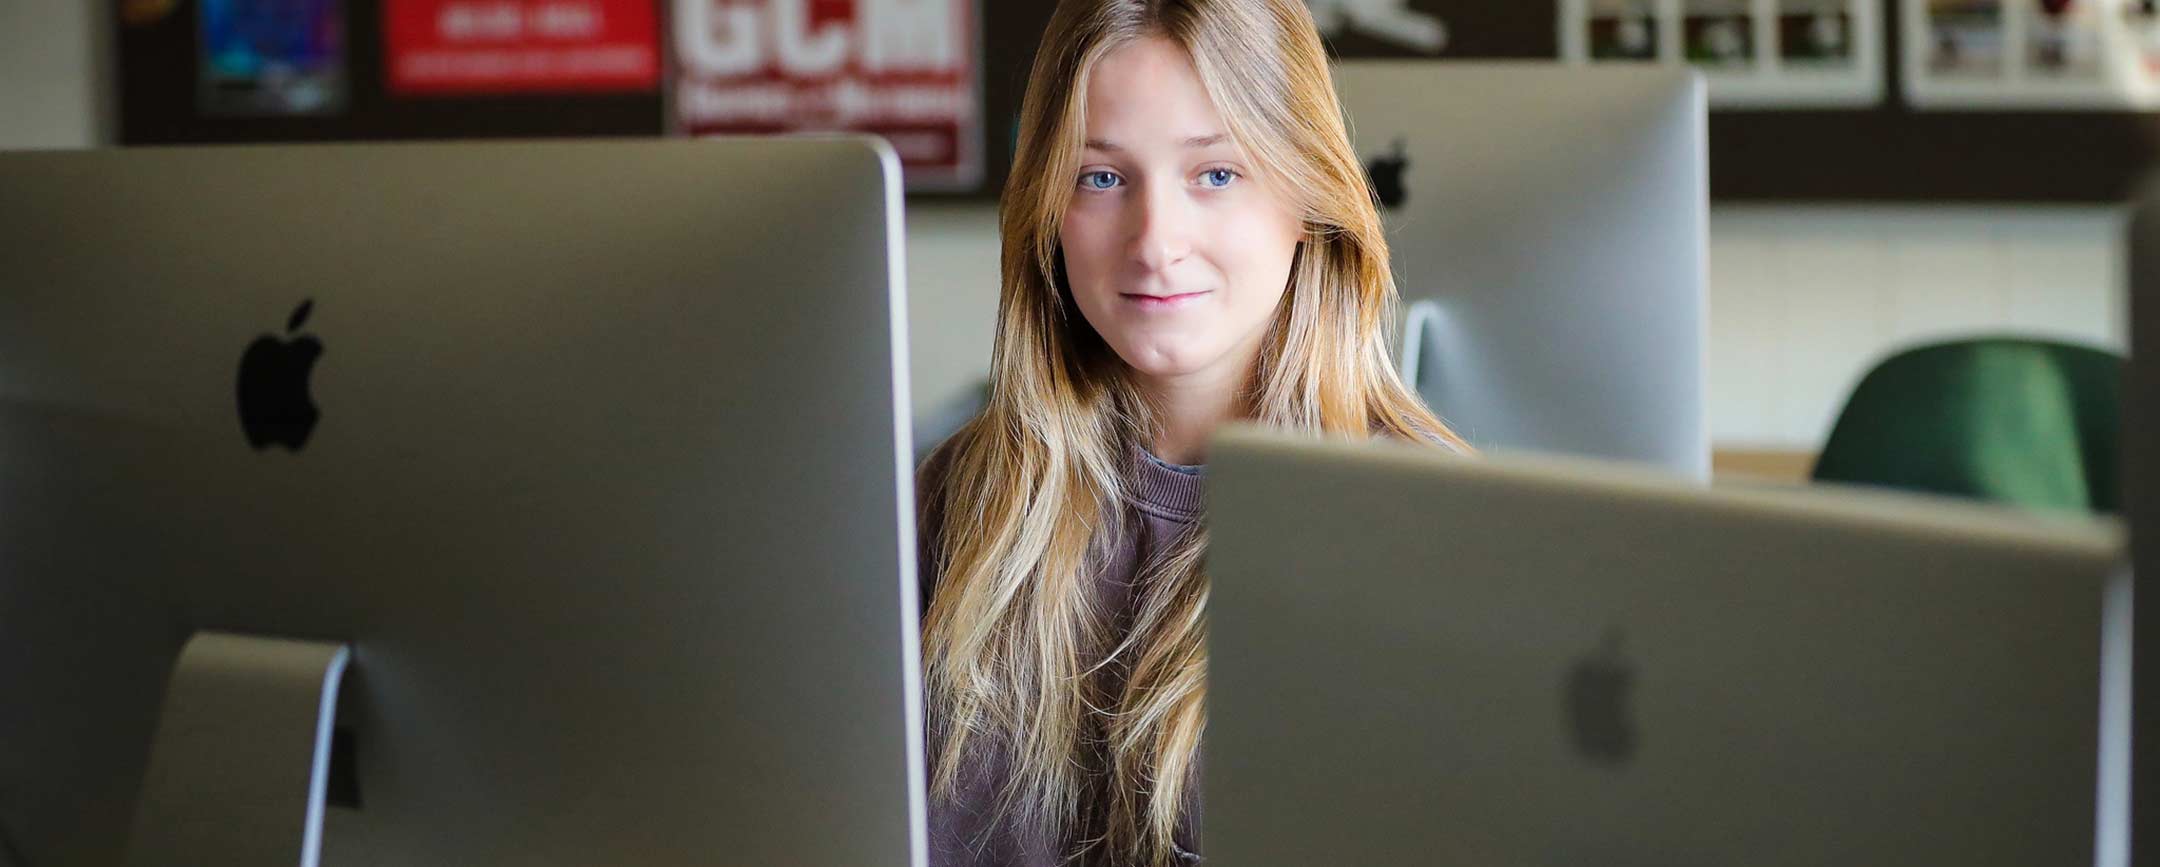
(1015,650)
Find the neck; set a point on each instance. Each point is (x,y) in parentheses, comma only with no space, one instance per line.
(1189,408)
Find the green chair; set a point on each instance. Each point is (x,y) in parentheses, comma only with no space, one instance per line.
(2024,422)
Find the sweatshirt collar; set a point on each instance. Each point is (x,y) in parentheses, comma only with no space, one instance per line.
(1166,489)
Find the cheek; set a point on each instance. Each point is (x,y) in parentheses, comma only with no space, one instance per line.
(1256,254)
(1089,243)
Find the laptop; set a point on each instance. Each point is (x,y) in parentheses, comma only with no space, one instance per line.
(1422,658)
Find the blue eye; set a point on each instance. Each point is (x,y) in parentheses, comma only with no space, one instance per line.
(1226,177)
(1099,180)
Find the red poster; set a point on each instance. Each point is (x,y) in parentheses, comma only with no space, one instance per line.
(902,69)
(465,47)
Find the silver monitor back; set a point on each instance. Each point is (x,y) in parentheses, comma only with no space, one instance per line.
(609,491)
(1417,658)
(2141,494)
(1554,223)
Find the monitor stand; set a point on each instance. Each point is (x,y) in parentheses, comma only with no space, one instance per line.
(1421,335)
(241,755)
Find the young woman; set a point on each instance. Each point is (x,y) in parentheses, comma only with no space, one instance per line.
(1188,240)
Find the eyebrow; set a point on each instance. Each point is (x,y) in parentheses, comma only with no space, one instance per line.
(1198,141)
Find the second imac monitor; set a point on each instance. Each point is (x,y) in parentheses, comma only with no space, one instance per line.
(1548,227)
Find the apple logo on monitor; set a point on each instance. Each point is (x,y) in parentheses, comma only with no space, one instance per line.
(275,408)
(1386,174)
(1599,715)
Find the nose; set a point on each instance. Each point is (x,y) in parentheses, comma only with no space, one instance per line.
(1163,227)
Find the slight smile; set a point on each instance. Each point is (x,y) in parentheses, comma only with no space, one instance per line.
(1163,302)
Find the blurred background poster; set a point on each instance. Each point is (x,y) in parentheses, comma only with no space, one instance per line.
(272,57)
(2033,54)
(520,46)
(1821,35)
(908,70)
(1618,29)
(1719,35)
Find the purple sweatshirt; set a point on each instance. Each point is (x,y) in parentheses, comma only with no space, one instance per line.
(1163,502)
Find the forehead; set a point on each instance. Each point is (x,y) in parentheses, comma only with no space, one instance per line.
(1146,94)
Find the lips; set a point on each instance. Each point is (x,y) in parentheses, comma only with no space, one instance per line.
(1162,302)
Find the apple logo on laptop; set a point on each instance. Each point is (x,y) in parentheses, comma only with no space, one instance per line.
(1598,696)
(1386,174)
(275,408)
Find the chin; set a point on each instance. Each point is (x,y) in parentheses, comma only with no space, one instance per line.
(1162,359)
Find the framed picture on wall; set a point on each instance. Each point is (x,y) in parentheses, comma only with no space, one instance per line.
(2032,54)
(907,70)
(231,71)
(1752,53)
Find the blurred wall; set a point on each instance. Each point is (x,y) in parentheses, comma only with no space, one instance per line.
(53,74)
(952,268)
(1804,300)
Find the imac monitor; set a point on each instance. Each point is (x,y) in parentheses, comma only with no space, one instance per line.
(592,457)
(1549,231)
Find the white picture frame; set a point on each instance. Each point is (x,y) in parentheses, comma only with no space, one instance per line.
(1767,79)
